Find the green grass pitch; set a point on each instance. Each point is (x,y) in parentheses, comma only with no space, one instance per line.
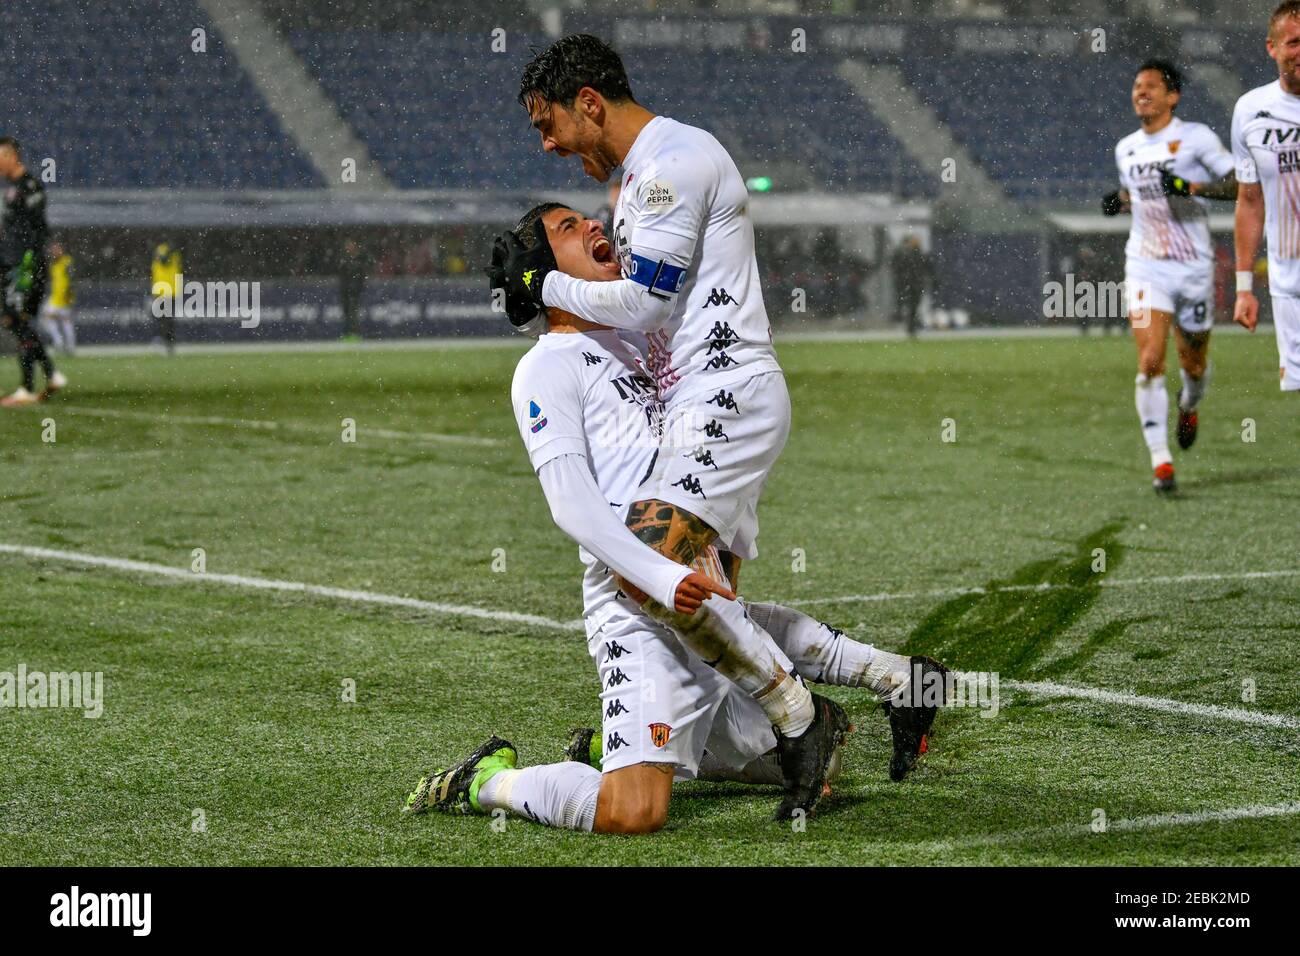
(229,700)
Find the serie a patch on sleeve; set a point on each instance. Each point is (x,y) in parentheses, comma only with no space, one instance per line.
(536,420)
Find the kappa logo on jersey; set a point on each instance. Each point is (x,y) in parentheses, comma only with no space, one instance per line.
(615,708)
(721,336)
(528,278)
(721,360)
(659,734)
(719,297)
(702,456)
(714,430)
(614,650)
(724,401)
(536,420)
(614,741)
(616,679)
(659,194)
(692,484)
(593,359)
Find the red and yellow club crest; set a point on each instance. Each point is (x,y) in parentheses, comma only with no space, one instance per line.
(1173,146)
(659,734)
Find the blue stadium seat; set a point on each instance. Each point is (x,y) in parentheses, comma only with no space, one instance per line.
(113,93)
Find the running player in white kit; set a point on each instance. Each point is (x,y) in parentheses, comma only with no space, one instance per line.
(1167,169)
(1266,146)
(588,414)
(685,245)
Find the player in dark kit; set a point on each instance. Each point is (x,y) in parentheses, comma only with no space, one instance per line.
(25,272)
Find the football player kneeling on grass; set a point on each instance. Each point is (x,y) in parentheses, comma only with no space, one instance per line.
(588,414)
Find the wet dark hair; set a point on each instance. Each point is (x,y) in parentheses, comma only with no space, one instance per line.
(557,73)
(1289,8)
(12,144)
(531,222)
(1172,76)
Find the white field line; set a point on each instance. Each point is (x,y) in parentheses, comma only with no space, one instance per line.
(363,431)
(1048,586)
(291,587)
(1041,689)
(1155,821)
(1123,699)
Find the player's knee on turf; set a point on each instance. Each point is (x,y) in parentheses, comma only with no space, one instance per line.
(634,800)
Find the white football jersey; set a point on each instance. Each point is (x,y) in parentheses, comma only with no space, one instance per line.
(682,226)
(590,394)
(1266,146)
(1170,227)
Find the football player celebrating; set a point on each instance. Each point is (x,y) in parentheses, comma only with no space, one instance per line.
(684,244)
(1266,147)
(1167,170)
(587,412)
(24,272)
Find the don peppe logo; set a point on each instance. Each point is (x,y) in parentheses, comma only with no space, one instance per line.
(659,734)
(536,420)
(659,194)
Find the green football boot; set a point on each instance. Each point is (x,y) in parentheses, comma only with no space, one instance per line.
(456,790)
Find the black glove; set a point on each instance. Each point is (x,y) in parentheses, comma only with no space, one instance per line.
(1111,204)
(1174,185)
(522,272)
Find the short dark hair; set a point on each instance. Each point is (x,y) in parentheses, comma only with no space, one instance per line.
(531,222)
(1172,76)
(12,144)
(557,73)
(1289,8)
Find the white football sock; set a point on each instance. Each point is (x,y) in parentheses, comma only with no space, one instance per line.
(1153,413)
(1193,389)
(764,770)
(553,794)
(722,635)
(827,656)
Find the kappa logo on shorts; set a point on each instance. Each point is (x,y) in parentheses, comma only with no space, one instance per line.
(617,678)
(614,741)
(690,483)
(714,430)
(703,456)
(614,650)
(659,734)
(725,401)
(615,708)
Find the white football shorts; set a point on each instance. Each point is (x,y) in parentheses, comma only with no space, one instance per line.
(1185,289)
(662,704)
(1286,324)
(715,453)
